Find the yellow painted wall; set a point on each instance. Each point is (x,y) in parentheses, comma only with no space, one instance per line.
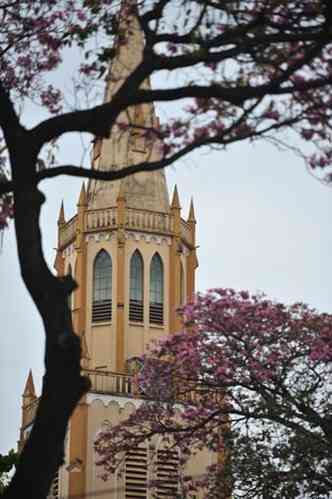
(106,409)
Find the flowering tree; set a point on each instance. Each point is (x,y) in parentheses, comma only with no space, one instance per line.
(242,70)
(258,370)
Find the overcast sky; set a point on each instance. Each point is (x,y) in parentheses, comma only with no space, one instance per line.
(263,224)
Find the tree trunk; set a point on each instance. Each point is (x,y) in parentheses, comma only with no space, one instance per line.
(63,385)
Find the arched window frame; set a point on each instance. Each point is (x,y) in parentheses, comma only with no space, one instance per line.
(102,287)
(136,287)
(156,290)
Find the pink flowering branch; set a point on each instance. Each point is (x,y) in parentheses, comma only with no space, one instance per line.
(252,368)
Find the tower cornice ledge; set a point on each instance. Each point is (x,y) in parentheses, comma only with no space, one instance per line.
(138,220)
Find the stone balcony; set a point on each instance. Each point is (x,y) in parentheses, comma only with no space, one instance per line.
(104,382)
(135,219)
(107,382)
(121,385)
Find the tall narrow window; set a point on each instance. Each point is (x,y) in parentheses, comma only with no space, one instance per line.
(167,471)
(136,473)
(163,466)
(71,296)
(102,288)
(156,290)
(136,288)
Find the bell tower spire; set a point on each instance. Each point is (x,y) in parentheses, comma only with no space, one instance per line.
(134,259)
(132,138)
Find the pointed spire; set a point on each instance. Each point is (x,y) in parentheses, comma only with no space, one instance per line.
(191,216)
(175,199)
(82,200)
(129,45)
(122,147)
(29,389)
(61,217)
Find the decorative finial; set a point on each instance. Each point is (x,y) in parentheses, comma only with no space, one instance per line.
(82,201)
(61,217)
(191,216)
(175,200)
(29,389)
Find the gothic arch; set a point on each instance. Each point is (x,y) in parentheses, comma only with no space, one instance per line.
(102,287)
(136,287)
(156,289)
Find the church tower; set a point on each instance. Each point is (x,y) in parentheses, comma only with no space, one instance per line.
(134,258)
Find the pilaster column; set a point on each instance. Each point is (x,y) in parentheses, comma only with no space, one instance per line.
(59,263)
(79,420)
(174,278)
(120,319)
(78,440)
(80,271)
(192,262)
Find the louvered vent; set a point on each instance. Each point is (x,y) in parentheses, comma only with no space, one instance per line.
(102,311)
(54,490)
(156,313)
(167,474)
(136,474)
(136,310)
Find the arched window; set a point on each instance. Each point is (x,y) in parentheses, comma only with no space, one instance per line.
(102,288)
(136,295)
(70,299)
(156,290)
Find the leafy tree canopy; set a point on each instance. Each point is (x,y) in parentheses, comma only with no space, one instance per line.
(7,463)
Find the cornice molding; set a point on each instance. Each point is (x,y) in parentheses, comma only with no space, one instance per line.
(108,399)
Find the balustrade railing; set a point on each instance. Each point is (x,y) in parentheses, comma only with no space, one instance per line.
(100,219)
(196,395)
(135,219)
(109,383)
(149,221)
(120,384)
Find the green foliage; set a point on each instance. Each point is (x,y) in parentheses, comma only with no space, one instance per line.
(7,463)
